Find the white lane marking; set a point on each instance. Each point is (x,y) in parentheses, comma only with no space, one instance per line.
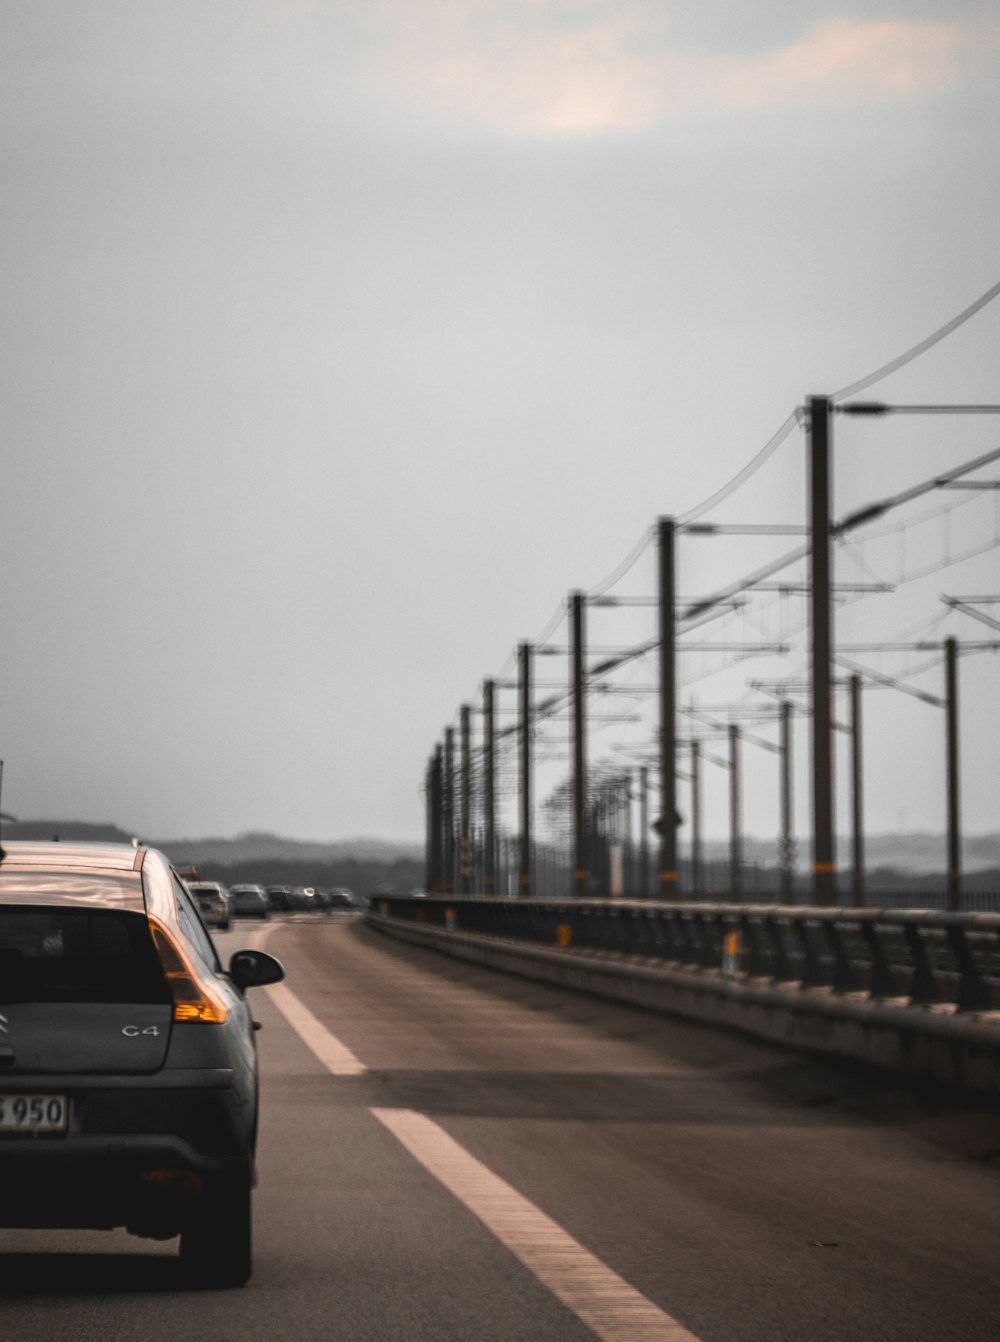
(608,1305)
(335,1056)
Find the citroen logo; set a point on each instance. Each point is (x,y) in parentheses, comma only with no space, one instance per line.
(3,1025)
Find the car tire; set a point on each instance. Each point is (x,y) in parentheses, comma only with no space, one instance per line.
(217,1245)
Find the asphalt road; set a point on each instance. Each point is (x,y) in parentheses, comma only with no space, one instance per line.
(447,1153)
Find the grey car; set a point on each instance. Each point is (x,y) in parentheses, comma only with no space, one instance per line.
(249,901)
(213,902)
(128,1062)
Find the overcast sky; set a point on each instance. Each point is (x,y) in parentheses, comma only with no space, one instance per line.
(342,340)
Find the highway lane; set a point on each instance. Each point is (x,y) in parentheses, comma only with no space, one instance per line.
(700,1181)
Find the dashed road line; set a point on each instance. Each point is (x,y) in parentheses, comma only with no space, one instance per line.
(607,1304)
(612,1309)
(335,1056)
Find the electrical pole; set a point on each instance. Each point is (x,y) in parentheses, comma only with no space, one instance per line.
(448,811)
(524,686)
(787,841)
(432,875)
(696,862)
(857,806)
(465,847)
(489,790)
(581,874)
(735,832)
(954,837)
(668,712)
(824,858)
(644,832)
(628,830)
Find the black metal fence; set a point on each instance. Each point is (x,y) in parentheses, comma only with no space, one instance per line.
(916,956)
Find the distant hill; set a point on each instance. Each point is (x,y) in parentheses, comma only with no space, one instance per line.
(916,854)
(65,829)
(360,864)
(249,847)
(257,847)
(910,854)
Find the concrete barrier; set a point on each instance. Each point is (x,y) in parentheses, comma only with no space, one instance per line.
(938,1040)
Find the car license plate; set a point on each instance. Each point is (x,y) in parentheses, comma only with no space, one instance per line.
(32,1113)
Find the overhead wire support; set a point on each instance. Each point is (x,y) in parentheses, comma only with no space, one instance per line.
(965,607)
(984,645)
(724,728)
(743,529)
(745,584)
(870,512)
(969,484)
(891,682)
(765,649)
(621,601)
(881,408)
(802,589)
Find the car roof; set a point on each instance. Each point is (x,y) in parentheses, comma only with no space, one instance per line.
(152,889)
(73,856)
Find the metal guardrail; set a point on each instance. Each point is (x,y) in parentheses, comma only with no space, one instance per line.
(918,957)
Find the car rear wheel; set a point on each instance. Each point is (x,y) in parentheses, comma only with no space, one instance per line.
(217,1246)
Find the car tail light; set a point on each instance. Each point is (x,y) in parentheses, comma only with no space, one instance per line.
(195,999)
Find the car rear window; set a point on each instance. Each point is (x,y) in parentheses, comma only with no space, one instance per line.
(78,955)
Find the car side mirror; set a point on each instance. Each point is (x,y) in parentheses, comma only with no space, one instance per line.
(254,969)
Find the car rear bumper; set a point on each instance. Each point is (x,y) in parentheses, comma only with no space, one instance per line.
(140,1157)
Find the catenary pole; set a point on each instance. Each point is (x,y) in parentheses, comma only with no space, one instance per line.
(820,606)
(668,711)
(644,832)
(448,812)
(857,797)
(954,822)
(581,873)
(524,689)
(735,808)
(697,866)
(787,841)
(489,789)
(465,848)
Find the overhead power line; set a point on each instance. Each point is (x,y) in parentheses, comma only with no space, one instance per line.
(754,464)
(863,383)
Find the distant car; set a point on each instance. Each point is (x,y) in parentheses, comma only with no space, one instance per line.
(338,898)
(249,901)
(304,899)
(129,1079)
(279,897)
(213,902)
